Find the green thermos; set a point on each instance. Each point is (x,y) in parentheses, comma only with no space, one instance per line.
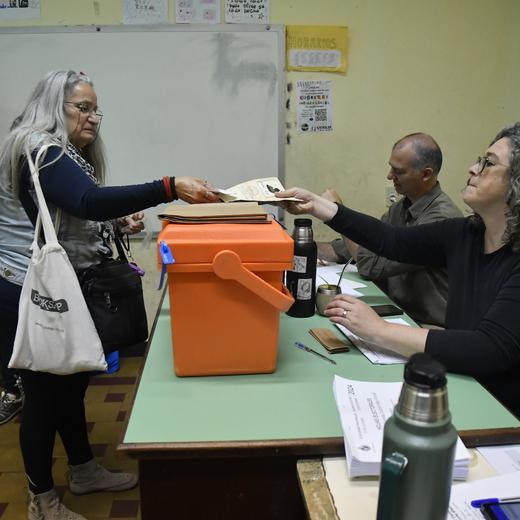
(418,447)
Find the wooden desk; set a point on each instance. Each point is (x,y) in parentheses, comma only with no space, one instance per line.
(226,447)
(330,495)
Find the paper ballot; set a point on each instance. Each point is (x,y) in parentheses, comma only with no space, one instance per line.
(462,494)
(375,353)
(364,407)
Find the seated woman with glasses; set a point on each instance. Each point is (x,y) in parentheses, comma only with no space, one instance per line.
(63,111)
(482,255)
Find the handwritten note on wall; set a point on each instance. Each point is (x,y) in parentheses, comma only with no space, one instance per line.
(145,11)
(197,11)
(19,9)
(247,11)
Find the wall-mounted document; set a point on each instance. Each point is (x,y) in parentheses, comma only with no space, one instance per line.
(364,407)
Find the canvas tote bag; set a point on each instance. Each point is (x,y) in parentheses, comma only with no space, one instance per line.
(55,331)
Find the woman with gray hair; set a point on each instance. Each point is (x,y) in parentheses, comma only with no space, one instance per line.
(63,112)
(482,255)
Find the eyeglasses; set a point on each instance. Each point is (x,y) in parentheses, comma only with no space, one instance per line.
(486,162)
(85,109)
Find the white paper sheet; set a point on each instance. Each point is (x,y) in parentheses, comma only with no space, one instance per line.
(145,11)
(314,106)
(463,494)
(505,459)
(364,407)
(197,11)
(374,353)
(247,11)
(19,9)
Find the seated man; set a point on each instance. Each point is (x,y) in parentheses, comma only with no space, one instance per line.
(415,163)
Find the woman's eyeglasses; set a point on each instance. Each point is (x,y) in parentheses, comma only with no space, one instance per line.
(85,109)
(486,162)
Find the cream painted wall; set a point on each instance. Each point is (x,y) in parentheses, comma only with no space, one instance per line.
(442,67)
(445,67)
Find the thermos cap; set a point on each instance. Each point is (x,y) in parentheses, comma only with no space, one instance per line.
(303,222)
(424,372)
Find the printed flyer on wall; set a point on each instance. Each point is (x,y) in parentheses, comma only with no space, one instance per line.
(314,106)
(19,9)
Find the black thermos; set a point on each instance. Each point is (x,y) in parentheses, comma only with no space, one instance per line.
(301,281)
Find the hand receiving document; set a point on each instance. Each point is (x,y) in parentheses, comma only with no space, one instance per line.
(256,190)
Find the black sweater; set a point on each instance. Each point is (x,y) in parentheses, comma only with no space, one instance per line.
(482,336)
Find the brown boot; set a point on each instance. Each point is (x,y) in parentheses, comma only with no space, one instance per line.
(48,506)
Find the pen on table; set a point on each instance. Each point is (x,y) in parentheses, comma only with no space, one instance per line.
(307,349)
(493,500)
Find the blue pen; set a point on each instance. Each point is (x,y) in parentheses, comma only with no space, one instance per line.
(492,500)
(301,346)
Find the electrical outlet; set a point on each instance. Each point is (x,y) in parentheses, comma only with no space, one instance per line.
(391,195)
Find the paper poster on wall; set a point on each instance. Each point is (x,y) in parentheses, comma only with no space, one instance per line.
(19,9)
(314,106)
(145,11)
(247,11)
(320,48)
(197,11)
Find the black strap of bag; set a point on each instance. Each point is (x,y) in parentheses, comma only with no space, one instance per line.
(114,295)
(120,245)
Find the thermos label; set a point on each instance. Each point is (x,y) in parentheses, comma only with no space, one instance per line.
(304,289)
(299,264)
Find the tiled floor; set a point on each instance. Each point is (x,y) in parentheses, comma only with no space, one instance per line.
(107,403)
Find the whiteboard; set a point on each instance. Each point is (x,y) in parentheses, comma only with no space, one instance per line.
(205,101)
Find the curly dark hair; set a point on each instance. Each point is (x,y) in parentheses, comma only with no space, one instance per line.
(512,231)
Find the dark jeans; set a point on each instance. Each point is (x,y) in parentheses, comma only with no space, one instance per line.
(9,297)
(52,404)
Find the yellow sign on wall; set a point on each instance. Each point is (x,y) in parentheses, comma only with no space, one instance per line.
(320,48)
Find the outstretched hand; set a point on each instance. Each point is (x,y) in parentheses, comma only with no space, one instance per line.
(308,203)
(131,224)
(195,191)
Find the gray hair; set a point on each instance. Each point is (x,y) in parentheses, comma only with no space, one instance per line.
(512,232)
(427,152)
(42,122)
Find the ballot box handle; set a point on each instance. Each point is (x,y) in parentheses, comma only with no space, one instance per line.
(228,265)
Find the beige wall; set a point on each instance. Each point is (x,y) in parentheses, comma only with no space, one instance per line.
(447,67)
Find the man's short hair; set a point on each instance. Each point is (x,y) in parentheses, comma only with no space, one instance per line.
(427,152)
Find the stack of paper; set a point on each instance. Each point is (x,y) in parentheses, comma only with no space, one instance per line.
(219,212)
(364,408)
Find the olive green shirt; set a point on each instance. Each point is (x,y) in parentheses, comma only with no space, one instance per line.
(421,291)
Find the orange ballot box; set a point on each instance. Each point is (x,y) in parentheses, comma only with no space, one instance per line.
(226,295)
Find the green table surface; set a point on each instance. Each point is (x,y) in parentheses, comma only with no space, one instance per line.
(294,402)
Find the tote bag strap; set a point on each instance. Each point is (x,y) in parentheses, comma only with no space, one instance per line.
(44,217)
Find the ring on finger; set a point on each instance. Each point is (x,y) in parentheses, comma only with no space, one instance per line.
(345,313)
